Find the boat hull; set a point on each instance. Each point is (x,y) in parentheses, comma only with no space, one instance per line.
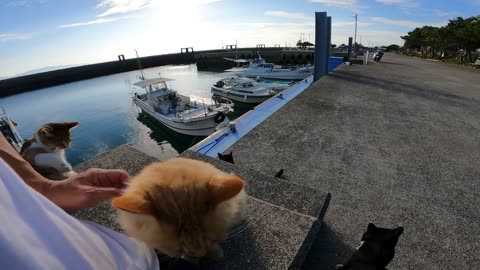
(257,99)
(203,126)
(288,75)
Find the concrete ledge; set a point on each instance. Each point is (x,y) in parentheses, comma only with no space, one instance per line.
(275,236)
(298,198)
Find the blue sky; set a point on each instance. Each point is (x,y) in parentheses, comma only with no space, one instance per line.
(40,33)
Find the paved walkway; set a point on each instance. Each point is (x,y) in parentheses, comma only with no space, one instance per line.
(396,143)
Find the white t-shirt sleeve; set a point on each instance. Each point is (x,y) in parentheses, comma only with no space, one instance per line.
(37,234)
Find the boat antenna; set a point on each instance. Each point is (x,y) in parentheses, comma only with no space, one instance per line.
(140,65)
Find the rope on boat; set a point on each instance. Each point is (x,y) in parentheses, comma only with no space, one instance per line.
(232,129)
(217,140)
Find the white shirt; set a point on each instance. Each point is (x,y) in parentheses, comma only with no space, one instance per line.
(37,234)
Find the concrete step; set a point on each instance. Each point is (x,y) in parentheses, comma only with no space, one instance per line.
(287,194)
(282,221)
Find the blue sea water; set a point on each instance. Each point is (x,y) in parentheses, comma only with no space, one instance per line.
(107,117)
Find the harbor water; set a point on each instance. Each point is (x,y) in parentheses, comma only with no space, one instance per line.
(107,117)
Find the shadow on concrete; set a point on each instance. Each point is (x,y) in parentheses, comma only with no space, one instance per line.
(405,88)
(390,63)
(327,251)
(240,253)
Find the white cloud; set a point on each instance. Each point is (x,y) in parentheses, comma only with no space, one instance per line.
(16,3)
(339,3)
(122,6)
(402,3)
(353,5)
(97,21)
(350,24)
(405,23)
(125,6)
(23,3)
(287,15)
(4,37)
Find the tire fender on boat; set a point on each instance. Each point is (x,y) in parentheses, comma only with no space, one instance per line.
(219,118)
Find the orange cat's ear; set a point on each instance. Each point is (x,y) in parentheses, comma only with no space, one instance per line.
(132,204)
(226,188)
(70,125)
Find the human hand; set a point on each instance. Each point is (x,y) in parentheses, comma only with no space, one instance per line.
(86,189)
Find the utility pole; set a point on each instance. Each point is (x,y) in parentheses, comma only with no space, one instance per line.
(355,39)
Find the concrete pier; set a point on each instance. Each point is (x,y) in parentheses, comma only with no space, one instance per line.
(395,143)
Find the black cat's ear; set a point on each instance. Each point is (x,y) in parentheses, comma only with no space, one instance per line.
(220,155)
(398,231)
(371,227)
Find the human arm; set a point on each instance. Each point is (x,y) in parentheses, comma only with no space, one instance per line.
(79,192)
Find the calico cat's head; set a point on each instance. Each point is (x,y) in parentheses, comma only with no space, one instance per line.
(181,207)
(226,157)
(56,135)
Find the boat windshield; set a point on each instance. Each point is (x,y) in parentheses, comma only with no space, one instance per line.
(268,65)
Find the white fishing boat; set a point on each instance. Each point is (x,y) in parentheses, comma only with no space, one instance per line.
(178,112)
(246,90)
(260,68)
(7,127)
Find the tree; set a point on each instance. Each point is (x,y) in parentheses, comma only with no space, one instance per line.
(393,47)
(459,37)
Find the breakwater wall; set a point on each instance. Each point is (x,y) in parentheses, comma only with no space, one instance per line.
(51,78)
(205,60)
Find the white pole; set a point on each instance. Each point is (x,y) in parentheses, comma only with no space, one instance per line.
(355,39)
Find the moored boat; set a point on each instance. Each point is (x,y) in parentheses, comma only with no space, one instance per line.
(246,90)
(178,112)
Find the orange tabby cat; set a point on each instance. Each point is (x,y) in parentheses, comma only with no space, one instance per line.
(182,207)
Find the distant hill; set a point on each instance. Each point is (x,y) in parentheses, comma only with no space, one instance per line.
(44,69)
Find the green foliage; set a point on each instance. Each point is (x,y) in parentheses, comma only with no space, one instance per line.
(393,47)
(458,38)
(304,44)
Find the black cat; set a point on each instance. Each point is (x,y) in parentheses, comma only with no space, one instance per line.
(226,157)
(376,251)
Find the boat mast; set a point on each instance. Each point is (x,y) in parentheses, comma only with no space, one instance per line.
(148,89)
(140,66)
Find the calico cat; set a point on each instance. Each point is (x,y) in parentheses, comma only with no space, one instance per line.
(182,207)
(229,158)
(377,249)
(45,151)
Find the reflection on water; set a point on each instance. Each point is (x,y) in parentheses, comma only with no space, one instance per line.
(165,137)
(107,117)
